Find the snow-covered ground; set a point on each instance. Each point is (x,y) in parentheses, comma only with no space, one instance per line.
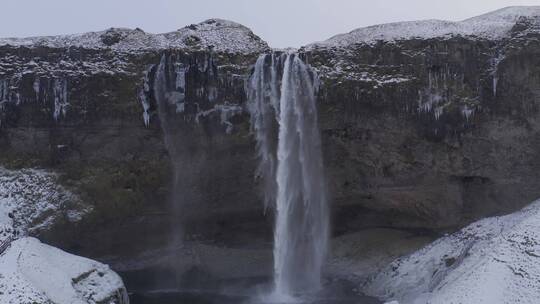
(32,272)
(222,35)
(494,25)
(494,260)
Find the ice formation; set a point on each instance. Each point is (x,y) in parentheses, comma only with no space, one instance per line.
(61,103)
(144,92)
(225,111)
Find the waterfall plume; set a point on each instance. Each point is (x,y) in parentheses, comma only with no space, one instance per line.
(282,102)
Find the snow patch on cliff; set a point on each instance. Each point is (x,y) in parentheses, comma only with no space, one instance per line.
(32,272)
(225,111)
(221,35)
(494,260)
(494,25)
(31,200)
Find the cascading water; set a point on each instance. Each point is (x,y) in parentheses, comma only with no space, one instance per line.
(161,87)
(169,90)
(291,164)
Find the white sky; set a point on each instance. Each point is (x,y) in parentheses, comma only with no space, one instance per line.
(282,23)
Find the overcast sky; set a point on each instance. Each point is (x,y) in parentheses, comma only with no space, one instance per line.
(282,23)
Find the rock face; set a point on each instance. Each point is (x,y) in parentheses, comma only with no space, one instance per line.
(85,106)
(426,125)
(433,123)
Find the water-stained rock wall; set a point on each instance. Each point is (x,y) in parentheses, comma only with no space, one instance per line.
(419,133)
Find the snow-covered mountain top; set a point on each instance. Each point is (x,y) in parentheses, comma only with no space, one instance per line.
(507,14)
(493,25)
(222,35)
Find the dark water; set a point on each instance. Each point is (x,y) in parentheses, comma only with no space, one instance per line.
(194,297)
(198,287)
(176,297)
(249,291)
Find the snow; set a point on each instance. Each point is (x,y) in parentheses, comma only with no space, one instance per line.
(31,201)
(221,35)
(32,272)
(494,260)
(495,25)
(226,112)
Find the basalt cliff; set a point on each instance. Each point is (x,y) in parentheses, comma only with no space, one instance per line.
(426,126)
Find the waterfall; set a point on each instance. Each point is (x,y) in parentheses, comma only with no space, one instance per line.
(162,88)
(291,164)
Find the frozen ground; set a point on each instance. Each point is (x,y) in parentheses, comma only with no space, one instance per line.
(494,260)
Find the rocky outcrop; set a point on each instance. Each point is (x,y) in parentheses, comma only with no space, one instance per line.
(32,272)
(428,125)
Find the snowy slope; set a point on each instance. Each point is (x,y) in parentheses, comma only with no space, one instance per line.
(32,272)
(31,200)
(494,25)
(495,260)
(222,35)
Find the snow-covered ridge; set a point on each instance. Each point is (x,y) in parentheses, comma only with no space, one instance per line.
(494,25)
(221,35)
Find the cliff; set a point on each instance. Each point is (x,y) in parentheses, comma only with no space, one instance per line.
(425,125)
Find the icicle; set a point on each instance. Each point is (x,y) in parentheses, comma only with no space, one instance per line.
(181,71)
(203,66)
(4,91)
(495,71)
(212,94)
(146,107)
(60,98)
(467,112)
(143,93)
(36,87)
(495,82)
